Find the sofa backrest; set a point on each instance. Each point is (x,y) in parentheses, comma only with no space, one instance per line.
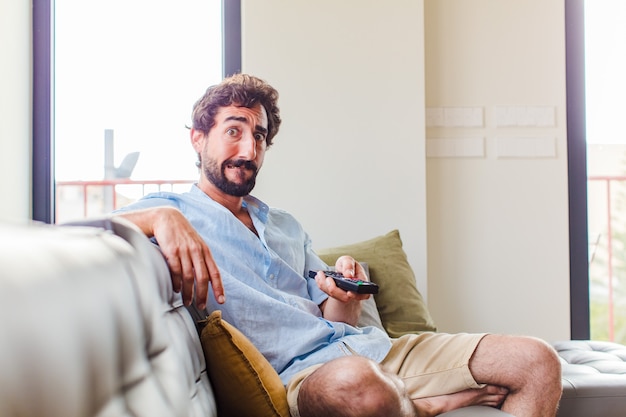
(89,326)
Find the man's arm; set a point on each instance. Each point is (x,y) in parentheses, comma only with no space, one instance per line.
(187,255)
(343,306)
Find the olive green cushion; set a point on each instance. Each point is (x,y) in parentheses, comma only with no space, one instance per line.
(400,304)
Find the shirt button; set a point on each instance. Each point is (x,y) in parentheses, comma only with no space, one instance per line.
(272,276)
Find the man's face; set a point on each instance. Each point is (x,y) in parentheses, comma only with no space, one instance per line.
(233,151)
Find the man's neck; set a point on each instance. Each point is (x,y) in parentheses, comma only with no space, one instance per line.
(232,203)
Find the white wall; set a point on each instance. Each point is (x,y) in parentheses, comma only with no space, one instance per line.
(349,159)
(498,228)
(15,109)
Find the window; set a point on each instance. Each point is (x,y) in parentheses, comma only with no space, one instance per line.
(114,83)
(606,166)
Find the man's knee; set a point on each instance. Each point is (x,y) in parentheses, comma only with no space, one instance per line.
(516,361)
(350,386)
(543,359)
(528,367)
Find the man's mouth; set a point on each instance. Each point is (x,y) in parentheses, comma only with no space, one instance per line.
(241,163)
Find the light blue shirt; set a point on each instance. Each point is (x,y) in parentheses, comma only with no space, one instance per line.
(268,295)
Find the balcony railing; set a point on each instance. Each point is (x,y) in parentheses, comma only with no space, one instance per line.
(79,199)
(607,264)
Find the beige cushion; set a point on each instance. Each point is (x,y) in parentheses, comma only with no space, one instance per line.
(400,304)
(244,382)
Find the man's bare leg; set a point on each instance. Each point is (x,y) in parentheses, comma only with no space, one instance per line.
(522,373)
(528,367)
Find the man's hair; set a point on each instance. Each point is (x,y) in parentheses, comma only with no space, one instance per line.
(316,399)
(241,90)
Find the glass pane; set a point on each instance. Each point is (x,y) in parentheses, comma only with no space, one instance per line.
(126,75)
(605,35)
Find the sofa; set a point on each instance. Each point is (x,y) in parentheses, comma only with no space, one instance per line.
(90,326)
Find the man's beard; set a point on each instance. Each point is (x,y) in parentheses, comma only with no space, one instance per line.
(218,178)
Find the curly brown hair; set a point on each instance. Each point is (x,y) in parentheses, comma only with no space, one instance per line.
(240,90)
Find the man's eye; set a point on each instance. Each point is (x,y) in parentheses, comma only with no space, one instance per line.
(259,137)
(231,132)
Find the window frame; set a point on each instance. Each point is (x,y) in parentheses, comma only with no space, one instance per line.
(580,327)
(43,116)
(43,182)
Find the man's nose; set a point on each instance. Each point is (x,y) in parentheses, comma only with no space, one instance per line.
(247,147)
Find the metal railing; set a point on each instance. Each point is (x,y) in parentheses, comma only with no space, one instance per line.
(607,219)
(91,198)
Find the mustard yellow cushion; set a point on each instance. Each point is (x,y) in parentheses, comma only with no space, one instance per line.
(243,381)
(400,304)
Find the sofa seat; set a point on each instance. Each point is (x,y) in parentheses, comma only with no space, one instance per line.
(594,378)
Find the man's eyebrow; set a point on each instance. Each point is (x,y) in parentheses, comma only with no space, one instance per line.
(236,119)
(242,119)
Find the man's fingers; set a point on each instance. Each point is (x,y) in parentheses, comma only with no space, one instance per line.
(182,276)
(202,282)
(187,255)
(188,278)
(216,279)
(350,267)
(205,271)
(176,272)
(327,284)
(346,265)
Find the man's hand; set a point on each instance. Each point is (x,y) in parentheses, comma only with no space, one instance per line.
(187,255)
(342,305)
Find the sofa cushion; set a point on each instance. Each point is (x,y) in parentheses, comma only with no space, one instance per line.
(245,383)
(594,378)
(401,306)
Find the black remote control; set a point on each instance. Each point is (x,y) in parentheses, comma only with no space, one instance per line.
(349,284)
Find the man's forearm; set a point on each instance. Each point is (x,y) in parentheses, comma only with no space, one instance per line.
(143,219)
(335,310)
(146,219)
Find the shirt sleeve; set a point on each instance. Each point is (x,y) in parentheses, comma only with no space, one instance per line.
(313,263)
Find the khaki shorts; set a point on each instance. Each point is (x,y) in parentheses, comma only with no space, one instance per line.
(430,364)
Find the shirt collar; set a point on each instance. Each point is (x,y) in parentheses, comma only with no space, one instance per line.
(256,207)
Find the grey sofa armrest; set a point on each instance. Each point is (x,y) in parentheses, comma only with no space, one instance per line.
(91,327)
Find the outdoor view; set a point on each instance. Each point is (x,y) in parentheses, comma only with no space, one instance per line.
(605,34)
(126,74)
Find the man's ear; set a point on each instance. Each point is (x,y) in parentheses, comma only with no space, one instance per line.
(197,139)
